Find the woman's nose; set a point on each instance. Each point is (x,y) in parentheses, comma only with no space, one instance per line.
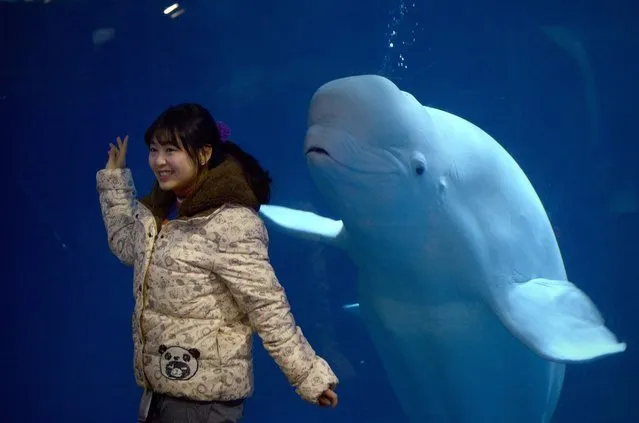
(160,160)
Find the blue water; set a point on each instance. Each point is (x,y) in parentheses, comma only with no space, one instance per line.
(78,73)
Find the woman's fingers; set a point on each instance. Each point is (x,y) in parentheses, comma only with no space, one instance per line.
(124,145)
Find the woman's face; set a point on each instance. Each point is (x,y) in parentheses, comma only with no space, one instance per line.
(174,169)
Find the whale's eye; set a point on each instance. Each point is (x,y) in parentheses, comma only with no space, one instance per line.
(418,163)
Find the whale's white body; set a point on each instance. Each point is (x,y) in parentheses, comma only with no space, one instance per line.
(461,281)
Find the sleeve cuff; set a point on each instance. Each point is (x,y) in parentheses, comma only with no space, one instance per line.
(318,380)
(114,179)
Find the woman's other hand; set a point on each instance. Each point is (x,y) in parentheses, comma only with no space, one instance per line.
(328,398)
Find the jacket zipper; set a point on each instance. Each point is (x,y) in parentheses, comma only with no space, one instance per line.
(143,299)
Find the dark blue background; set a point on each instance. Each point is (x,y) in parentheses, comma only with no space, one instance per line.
(67,350)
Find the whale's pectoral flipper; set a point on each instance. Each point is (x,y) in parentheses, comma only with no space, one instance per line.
(556,320)
(305,225)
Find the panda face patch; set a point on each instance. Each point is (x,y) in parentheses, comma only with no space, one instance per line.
(177,363)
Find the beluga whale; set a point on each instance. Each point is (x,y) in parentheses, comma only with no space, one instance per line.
(461,283)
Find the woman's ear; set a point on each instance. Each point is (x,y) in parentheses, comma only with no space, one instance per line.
(205,154)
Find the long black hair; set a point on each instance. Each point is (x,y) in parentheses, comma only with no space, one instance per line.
(194,127)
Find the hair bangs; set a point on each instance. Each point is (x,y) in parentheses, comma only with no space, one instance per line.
(164,136)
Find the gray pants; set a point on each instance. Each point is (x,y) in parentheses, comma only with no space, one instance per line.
(167,409)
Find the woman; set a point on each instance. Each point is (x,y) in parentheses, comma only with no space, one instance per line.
(202,278)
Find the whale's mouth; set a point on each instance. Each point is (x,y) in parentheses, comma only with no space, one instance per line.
(317,150)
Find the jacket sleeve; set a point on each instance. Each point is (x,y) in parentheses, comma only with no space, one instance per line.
(117,194)
(243,264)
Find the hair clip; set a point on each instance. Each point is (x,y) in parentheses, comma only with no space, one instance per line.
(224,130)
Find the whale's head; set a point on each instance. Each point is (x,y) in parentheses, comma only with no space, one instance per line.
(366,149)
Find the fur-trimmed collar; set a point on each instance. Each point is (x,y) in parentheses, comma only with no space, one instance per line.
(224,184)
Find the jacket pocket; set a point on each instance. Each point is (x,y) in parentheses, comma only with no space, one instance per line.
(233,344)
(220,361)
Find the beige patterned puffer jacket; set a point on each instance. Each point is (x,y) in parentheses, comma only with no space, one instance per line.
(202,284)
